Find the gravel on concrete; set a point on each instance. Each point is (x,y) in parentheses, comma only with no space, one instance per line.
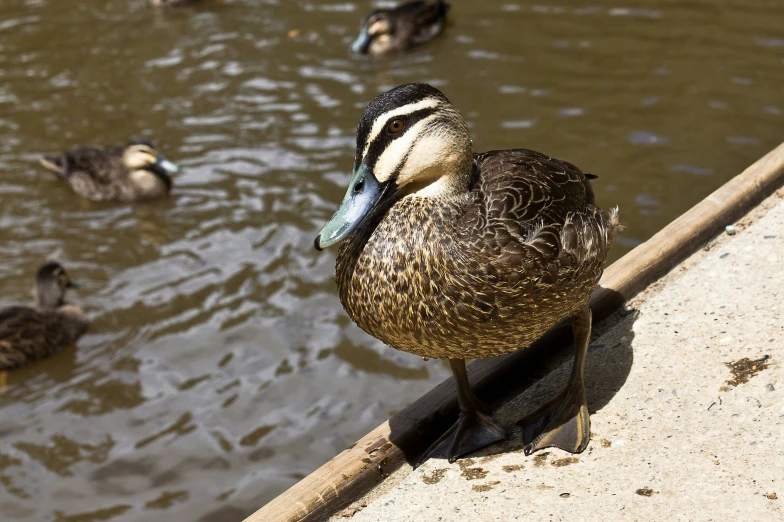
(686,394)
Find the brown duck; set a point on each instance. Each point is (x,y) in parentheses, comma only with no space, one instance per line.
(27,333)
(456,255)
(385,31)
(136,172)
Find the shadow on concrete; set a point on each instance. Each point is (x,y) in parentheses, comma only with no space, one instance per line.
(516,384)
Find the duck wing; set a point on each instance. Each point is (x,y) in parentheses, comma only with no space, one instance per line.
(23,336)
(27,334)
(533,219)
(103,165)
(97,173)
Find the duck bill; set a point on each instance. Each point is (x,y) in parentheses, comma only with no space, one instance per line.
(166,165)
(364,194)
(363,41)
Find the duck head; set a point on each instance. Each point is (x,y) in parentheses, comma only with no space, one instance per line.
(410,141)
(51,283)
(377,27)
(142,155)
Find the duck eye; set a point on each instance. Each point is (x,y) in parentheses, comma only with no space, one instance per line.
(359,186)
(396,126)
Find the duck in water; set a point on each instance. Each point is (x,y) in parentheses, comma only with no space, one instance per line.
(28,333)
(136,172)
(385,31)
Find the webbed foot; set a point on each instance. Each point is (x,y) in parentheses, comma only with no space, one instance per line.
(472,431)
(561,423)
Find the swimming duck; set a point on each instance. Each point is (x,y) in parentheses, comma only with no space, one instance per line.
(400,28)
(450,254)
(27,333)
(135,172)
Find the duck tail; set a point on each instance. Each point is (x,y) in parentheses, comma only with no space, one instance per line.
(55,164)
(614,224)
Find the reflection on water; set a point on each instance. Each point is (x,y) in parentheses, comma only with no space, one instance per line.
(220,367)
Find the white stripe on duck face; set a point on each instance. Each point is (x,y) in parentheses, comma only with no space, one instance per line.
(382,120)
(408,152)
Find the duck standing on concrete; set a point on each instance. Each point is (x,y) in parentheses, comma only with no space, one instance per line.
(136,172)
(400,28)
(27,333)
(456,255)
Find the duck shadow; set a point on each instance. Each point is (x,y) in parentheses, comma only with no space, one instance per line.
(517,384)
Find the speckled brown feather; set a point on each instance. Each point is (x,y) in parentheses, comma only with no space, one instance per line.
(27,334)
(482,273)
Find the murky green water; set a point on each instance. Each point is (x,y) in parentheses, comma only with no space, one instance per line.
(220,367)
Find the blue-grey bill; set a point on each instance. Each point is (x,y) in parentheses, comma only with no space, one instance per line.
(168,166)
(363,195)
(362,43)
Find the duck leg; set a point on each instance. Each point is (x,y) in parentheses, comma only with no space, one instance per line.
(474,428)
(563,421)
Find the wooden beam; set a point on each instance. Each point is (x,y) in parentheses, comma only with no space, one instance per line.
(359,468)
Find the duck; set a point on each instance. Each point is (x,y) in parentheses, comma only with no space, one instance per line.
(135,172)
(446,253)
(30,333)
(384,31)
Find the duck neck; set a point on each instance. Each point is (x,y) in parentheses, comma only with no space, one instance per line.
(454,182)
(49,297)
(161,174)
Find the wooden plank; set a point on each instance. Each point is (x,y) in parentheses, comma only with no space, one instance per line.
(363,465)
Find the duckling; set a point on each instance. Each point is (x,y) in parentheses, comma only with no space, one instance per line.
(136,172)
(449,254)
(400,28)
(27,333)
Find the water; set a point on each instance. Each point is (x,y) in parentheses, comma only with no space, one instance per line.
(220,367)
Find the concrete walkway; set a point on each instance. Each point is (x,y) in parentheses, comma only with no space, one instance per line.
(686,392)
